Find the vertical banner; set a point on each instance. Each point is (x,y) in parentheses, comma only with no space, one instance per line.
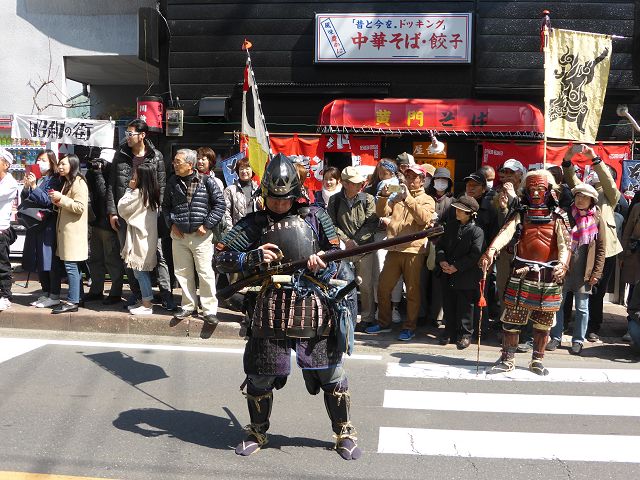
(630,175)
(576,76)
(254,128)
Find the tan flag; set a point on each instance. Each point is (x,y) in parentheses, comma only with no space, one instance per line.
(576,75)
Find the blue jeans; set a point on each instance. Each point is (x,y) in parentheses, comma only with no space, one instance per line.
(581,321)
(74,277)
(144,280)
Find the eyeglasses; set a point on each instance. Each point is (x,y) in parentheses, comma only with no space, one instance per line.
(178,162)
(131,134)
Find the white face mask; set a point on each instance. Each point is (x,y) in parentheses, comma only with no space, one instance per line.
(440,184)
(489,184)
(44,167)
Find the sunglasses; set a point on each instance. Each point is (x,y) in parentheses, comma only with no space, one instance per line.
(131,134)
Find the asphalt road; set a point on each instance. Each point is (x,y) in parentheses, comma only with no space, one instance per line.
(71,406)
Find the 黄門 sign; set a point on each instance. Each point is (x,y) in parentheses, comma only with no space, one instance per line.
(393,38)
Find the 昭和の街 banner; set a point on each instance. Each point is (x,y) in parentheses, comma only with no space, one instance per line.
(76,131)
(393,37)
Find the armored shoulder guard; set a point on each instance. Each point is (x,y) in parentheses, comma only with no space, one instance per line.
(326,224)
(245,234)
(564,216)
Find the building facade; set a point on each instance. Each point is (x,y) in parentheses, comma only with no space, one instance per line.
(205,60)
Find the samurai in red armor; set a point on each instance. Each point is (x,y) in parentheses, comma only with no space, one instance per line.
(534,291)
(298,314)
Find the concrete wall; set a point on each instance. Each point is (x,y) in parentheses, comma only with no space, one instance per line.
(37,34)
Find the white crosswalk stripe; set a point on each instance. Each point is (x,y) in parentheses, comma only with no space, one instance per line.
(562,375)
(522,445)
(514,442)
(512,403)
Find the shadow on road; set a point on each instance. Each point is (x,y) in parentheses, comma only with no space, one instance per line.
(127,368)
(199,428)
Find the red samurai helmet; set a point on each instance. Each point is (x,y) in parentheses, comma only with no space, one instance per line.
(537,187)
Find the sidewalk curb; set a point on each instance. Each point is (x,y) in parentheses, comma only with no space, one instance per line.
(114,322)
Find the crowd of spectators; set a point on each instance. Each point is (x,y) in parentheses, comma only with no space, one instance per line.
(157,224)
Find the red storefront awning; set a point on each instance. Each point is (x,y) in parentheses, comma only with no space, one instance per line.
(441,116)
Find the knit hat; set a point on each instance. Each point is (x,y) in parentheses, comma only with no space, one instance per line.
(466,204)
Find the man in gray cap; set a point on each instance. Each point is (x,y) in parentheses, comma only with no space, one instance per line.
(354,215)
(8,192)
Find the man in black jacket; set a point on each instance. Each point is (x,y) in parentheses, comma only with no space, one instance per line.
(136,151)
(192,207)
(104,247)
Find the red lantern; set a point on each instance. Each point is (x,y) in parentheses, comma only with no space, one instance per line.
(151,110)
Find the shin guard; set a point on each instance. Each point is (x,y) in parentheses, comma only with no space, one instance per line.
(509,344)
(540,338)
(338,401)
(259,404)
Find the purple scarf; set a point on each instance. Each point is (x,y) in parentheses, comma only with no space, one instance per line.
(586,228)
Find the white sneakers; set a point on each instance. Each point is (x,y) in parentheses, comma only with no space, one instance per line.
(46,303)
(41,298)
(141,310)
(395,315)
(4,303)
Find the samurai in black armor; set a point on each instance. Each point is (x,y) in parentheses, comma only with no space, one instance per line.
(295,313)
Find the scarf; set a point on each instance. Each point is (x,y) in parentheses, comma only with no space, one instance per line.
(139,250)
(586,228)
(326,195)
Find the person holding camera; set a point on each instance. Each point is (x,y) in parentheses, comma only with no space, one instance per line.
(405,212)
(608,195)
(585,267)
(104,245)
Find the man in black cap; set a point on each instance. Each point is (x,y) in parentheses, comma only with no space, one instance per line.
(475,186)
(487,219)
(457,254)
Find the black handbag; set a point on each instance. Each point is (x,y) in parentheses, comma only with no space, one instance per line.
(30,214)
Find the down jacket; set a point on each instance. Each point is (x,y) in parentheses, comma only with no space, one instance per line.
(121,173)
(206,207)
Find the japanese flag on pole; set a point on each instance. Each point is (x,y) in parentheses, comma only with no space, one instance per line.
(254,127)
(576,75)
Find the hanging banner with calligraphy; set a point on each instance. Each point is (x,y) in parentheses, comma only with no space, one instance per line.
(76,131)
(418,115)
(364,150)
(531,155)
(304,149)
(575,78)
(393,37)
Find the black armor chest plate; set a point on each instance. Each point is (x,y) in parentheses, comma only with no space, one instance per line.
(293,236)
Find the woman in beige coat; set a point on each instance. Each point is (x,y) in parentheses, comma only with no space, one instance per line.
(72,228)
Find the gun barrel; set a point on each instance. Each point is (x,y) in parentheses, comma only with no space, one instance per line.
(289,267)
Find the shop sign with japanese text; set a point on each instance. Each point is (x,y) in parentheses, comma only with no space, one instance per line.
(448,163)
(393,37)
(76,131)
